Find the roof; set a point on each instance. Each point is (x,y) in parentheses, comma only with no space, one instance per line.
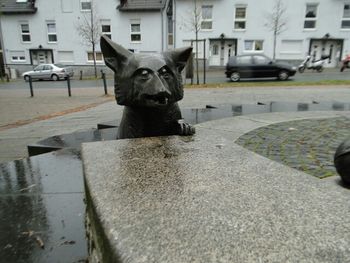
(8,7)
(141,5)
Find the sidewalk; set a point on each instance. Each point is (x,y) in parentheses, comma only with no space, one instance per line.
(47,199)
(16,106)
(25,120)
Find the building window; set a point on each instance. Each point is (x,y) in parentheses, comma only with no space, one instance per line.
(99,57)
(253,45)
(106,29)
(310,16)
(67,6)
(345,23)
(215,51)
(240,18)
(170,31)
(207,17)
(291,47)
(51,32)
(17,56)
(25,32)
(65,56)
(135,28)
(85,5)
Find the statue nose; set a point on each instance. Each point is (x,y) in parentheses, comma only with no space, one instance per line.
(160,85)
(156,87)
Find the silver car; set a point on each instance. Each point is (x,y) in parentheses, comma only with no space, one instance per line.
(49,71)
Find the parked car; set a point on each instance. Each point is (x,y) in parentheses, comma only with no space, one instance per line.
(49,71)
(257,66)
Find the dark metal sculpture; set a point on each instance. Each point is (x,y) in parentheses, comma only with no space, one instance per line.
(342,161)
(149,86)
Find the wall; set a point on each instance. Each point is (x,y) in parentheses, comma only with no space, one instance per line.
(329,16)
(67,14)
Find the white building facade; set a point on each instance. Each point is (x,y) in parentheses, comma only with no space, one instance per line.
(45,31)
(48,32)
(315,27)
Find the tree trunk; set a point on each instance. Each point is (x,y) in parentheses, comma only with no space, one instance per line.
(94,54)
(93,39)
(197,58)
(196,31)
(274,45)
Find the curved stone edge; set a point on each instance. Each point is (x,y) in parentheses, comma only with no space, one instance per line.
(244,124)
(224,132)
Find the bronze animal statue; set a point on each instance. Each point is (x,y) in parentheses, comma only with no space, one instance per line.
(342,161)
(149,86)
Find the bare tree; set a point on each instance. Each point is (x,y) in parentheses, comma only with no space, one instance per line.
(193,23)
(276,22)
(88,28)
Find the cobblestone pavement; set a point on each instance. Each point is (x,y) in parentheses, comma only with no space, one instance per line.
(306,145)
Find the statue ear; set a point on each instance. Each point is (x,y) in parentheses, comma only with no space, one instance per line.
(115,55)
(180,56)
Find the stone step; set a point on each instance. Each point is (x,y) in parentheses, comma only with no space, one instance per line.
(206,199)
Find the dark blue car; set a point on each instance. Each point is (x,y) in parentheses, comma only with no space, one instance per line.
(257,66)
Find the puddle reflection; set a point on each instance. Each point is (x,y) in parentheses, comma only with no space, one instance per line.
(41,207)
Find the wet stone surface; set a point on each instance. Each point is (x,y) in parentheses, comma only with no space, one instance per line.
(42,209)
(306,145)
(184,199)
(41,198)
(108,130)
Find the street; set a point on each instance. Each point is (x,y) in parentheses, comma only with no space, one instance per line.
(212,76)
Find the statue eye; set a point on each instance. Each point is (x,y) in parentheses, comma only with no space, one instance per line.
(144,73)
(164,72)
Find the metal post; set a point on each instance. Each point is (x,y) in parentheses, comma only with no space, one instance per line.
(31,86)
(68,84)
(204,68)
(103,75)
(192,58)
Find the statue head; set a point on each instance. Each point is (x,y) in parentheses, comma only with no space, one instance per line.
(145,80)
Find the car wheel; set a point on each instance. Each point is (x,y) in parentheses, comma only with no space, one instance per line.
(283,75)
(54,77)
(319,69)
(235,76)
(26,78)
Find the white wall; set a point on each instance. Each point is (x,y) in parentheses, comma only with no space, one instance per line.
(67,14)
(329,18)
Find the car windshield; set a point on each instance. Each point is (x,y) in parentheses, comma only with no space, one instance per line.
(260,60)
(244,60)
(40,67)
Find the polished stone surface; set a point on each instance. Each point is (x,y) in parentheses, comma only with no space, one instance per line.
(42,210)
(71,140)
(308,145)
(205,199)
(108,130)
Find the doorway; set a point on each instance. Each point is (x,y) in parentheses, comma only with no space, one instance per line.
(41,56)
(331,48)
(220,50)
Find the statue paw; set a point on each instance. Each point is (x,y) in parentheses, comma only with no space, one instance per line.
(185,128)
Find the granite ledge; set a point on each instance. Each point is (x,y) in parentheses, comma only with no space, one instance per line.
(205,199)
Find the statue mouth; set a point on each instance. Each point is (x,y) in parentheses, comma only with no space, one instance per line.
(159,99)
